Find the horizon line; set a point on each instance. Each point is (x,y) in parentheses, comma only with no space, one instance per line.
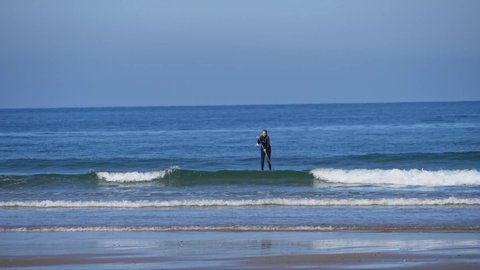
(230,105)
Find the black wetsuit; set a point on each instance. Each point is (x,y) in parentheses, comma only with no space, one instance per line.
(265,142)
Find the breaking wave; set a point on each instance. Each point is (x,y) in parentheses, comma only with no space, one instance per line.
(399,177)
(124,177)
(316,177)
(235,228)
(271,202)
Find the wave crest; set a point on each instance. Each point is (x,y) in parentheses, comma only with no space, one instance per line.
(272,202)
(124,177)
(236,228)
(399,177)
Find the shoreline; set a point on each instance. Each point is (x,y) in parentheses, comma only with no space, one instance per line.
(243,229)
(241,250)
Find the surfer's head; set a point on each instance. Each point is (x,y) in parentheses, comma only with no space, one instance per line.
(264,132)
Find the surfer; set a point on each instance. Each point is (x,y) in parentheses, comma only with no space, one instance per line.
(266,150)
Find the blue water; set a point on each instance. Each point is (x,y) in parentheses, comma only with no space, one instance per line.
(351,166)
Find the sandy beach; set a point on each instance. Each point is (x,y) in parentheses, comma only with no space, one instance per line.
(240,250)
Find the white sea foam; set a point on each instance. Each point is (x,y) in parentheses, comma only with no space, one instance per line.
(232,228)
(399,177)
(170,228)
(124,177)
(271,202)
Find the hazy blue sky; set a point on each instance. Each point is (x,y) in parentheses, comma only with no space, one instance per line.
(117,53)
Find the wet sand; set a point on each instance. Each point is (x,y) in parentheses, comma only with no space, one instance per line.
(330,261)
(240,250)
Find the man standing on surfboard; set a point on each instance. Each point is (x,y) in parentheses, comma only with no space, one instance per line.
(266,150)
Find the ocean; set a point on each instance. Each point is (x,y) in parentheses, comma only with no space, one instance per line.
(394,167)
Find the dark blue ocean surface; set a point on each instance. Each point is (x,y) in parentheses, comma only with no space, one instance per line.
(402,164)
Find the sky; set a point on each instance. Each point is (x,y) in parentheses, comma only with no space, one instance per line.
(89,53)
